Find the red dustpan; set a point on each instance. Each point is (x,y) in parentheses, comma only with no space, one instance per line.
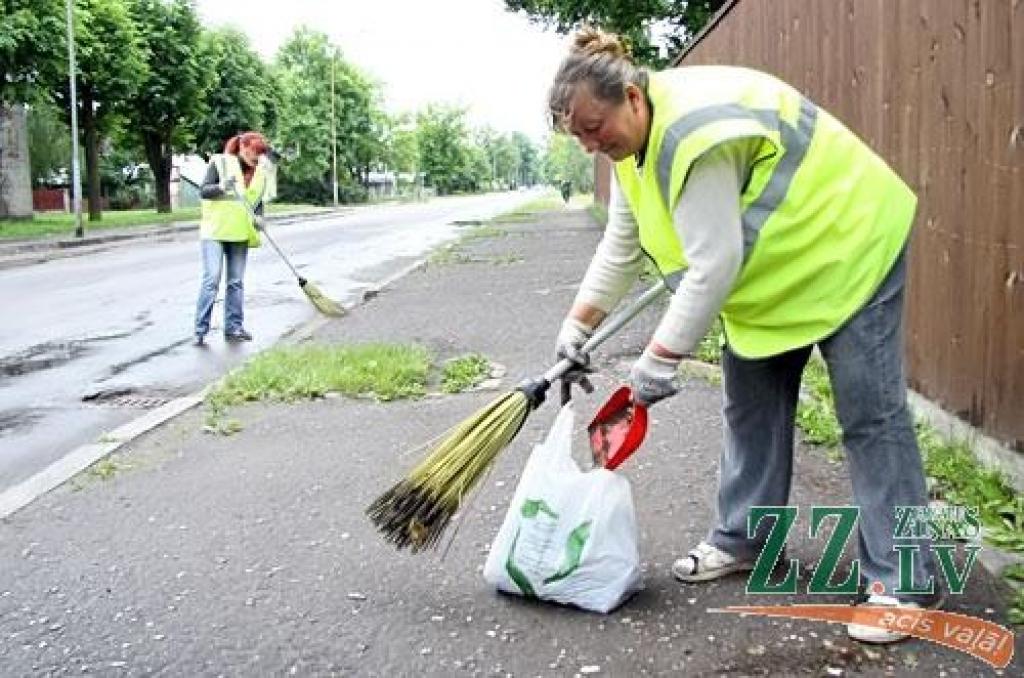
(617,430)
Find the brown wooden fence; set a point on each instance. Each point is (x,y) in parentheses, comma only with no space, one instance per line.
(936,87)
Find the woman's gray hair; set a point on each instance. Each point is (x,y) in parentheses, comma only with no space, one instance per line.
(597,58)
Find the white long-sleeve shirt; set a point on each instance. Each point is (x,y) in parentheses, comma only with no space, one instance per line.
(707,220)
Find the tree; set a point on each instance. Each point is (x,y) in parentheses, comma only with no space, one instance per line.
(111,64)
(304,67)
(441,134)
(402,151)
(636,20)
(31,48)
(241,93)
(170,100)
(527,160)
(566,161)
(49,141)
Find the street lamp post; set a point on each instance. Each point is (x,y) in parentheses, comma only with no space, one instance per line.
(76,184)
(334,135)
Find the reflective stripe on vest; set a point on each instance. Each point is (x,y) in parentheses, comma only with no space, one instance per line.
(796,141)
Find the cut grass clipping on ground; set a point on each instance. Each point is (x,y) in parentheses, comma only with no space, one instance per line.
(381,371)
(464,373)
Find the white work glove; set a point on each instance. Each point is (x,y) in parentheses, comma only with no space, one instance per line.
(570,340)
(230,186)
(653,378)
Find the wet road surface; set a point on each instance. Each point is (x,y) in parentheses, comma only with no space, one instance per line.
(91,342)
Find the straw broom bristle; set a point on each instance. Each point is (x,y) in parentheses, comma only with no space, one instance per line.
(323,303)
(417,509)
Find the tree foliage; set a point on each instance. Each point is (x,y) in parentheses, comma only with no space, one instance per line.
(110,67)
(566,161)
(171,97)
(32,51)
(49,142)
(241,94)
(447,160)
(304,68)
(655,29)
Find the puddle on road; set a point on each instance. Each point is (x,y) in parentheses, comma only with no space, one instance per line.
(42,357)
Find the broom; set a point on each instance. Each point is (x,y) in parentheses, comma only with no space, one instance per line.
(321,301)
(415,511)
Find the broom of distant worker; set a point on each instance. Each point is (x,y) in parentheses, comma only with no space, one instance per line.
(415,511)
(321,301)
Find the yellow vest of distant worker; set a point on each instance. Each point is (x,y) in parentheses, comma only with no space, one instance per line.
(226,218)
(823,216)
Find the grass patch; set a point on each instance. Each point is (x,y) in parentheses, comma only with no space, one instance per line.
(46,224)
(381,371)
(547,203)
(463,373)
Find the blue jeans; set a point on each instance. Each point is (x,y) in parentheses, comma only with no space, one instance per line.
(865,364)
(214,253)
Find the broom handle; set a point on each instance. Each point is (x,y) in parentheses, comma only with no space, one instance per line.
(252,215)
(607,329)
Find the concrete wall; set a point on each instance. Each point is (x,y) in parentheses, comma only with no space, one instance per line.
(15,170)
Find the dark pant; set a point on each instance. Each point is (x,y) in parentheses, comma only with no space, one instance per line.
(865,364)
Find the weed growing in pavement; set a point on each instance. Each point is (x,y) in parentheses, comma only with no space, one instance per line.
(485,231)
(505,259)
(451,254)
(105,469)
(464,373)
(709,350)
(816,411)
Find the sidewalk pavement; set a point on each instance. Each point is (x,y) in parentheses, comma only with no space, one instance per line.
(251,555)
(22,252)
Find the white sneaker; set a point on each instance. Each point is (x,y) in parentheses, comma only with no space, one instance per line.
(707,562)
(879,636)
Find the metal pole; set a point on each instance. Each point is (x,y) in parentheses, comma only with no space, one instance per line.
(334,135)
(76,178)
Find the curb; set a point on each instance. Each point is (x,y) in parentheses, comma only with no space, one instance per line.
(84,456)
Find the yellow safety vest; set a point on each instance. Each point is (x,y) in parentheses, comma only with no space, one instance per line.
(225,218)
(823,216)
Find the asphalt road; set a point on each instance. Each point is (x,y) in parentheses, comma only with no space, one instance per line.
(92,341)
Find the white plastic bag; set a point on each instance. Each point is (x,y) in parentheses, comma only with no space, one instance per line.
(569,536)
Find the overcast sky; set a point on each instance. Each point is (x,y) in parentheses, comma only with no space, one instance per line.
(466,52)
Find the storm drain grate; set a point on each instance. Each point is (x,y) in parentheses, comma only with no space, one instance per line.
(126,399)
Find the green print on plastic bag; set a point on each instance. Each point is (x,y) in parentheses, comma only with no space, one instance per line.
(573,552)
(532,509)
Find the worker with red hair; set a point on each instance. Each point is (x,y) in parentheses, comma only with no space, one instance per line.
(242,174)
